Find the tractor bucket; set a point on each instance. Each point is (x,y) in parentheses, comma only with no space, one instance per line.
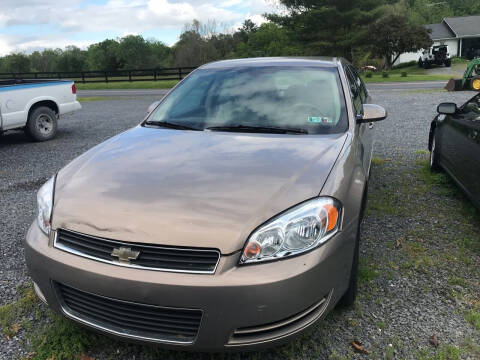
(454,85)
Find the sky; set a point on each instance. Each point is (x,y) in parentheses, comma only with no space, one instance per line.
(29,25)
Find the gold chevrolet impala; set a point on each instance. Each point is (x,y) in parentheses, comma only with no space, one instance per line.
(227,219)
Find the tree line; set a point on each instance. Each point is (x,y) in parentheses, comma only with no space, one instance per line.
(363,31)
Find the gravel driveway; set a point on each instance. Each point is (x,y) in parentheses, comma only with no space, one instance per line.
(419,271)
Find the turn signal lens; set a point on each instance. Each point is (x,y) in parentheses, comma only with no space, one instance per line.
(332,216)
(298,230)
(252,250)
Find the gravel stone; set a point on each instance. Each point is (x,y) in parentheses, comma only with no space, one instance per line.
(401,312)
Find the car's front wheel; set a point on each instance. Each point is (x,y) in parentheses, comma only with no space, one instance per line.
(434,163)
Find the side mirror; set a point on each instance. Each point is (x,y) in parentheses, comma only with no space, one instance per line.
(372,113)
(152,107)
(447,108)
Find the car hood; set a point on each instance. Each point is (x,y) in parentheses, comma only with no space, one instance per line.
(188,188)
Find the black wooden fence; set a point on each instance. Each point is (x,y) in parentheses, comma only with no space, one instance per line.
(106,76)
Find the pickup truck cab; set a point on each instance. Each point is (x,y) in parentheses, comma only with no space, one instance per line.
(36,105)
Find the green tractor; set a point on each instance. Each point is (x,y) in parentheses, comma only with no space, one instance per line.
(471,78)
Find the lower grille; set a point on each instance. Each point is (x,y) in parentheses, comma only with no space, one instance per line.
(133,320)
(150,257)
(281,328)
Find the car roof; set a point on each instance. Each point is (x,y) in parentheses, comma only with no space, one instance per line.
(277,61)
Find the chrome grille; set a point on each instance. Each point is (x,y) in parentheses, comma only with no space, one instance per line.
(133,320)
(151,257)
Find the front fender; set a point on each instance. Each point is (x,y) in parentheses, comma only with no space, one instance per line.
(433,126)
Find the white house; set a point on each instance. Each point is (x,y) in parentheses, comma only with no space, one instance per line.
(461,34)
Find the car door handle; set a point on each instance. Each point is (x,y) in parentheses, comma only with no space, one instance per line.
(473,135)
(371,125)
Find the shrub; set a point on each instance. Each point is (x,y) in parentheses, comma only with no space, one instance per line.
(404,74)
(385,74)
(368,75)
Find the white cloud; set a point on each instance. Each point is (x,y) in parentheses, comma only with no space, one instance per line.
(77,19)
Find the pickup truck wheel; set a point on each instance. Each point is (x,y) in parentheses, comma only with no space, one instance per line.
(42,124)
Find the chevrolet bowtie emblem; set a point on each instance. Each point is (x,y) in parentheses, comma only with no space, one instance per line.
(125,254)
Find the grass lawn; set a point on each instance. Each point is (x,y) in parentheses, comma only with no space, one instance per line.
(102,98)
(394,76)
(128,85)
(415,73)
(398,78)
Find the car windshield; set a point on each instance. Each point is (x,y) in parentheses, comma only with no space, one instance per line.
(304,100)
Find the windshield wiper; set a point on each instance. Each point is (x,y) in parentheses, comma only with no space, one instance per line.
(170,125)
(258,129)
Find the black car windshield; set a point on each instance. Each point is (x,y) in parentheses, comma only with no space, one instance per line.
(300,100)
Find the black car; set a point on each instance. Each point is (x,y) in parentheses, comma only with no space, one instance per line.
(454,145)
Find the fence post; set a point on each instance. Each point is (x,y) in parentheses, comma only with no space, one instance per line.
(83,77)
(106,77)
(59,75)
(155,75)
(179,73)
(129,76)
(14,77)
(36,75)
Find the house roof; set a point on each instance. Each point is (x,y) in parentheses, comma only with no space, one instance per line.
(464,26)
(440,31)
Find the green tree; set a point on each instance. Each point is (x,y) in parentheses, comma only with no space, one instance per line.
(329,27)
(15,63)
(428,11)
(46,60)
(162,54)
(136,53)
(395,35)
(196,46)
(268,40)
(72,59)
(104,56)
(434,11)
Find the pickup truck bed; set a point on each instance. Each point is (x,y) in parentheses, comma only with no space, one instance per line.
(36,105)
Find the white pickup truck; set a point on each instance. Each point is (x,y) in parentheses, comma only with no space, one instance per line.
(36,105)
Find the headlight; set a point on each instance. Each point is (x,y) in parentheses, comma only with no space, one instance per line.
(298,230)
(45,204)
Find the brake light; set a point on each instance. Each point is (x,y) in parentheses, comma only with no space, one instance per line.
(74,89)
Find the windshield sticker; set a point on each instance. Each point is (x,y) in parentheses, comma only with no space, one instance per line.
(320,120)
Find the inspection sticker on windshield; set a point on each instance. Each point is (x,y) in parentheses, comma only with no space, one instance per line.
(320,119)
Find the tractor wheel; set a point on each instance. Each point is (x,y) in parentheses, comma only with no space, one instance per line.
(475,83)
(448,63)
(426,65)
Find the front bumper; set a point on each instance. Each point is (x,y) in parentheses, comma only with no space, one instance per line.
(243,307)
